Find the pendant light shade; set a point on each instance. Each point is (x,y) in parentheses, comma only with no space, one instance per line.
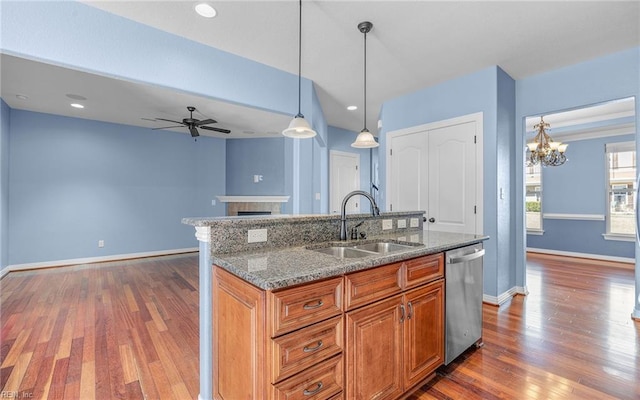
(299,127)
(365,139)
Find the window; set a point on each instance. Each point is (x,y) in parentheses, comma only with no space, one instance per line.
(621,190)
(533,198)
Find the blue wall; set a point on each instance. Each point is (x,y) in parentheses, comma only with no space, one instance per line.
(99,42)
(473,93)
(578,187)
(4,184)
(74,182)
(249,157)
(603,79)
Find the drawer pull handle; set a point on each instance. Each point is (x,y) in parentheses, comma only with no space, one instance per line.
(402,313)
(410,310)
(318,388)
(308,349)
(310,306)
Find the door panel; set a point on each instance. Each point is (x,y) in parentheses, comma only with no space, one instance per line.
(344,178)
(423,332)
(452,185)
(409,172)
(437,168)
(374,351)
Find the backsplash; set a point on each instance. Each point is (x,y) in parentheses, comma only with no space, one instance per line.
(231,234)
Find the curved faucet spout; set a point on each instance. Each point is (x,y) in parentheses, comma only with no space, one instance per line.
(375,211)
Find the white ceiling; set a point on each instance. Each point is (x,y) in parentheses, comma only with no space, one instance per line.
(413,44)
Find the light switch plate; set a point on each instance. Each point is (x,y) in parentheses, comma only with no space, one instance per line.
(387,224)
(256,235)
(414,222)
(402,223)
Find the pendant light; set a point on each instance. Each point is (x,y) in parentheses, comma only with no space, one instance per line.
(299,127)
(365,139)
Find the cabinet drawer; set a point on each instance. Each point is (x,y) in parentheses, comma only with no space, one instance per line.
(423,269)
(367,286)
(297,307)
(320,382)
(302,349)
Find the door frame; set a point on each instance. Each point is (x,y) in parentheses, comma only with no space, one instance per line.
(475,117)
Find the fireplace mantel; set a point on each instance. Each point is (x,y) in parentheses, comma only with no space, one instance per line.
(272,204)
(253,199)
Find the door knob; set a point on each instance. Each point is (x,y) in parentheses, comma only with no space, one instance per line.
(432,220)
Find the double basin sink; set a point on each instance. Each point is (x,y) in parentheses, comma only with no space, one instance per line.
(364,250)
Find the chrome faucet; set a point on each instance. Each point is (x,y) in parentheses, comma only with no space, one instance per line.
(375,211)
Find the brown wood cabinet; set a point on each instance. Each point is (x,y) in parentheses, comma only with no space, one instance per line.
(393,344)
(372,334)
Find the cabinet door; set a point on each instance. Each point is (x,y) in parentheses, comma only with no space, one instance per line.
(423,332)
(238,339)
(374,351)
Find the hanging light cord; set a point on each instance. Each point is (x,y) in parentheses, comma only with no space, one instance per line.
(299,59)
(365,81)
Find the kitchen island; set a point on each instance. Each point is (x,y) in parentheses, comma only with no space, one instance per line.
(287,320)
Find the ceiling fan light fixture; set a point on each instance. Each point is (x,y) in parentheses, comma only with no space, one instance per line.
(299,127)
(205,10)
(365,140)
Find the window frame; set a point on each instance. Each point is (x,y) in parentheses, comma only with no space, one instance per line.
(618,147)
(534,231)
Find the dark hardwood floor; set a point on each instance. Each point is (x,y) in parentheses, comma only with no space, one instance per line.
(130,330)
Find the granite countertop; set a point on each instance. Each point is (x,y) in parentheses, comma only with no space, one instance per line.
(272,269)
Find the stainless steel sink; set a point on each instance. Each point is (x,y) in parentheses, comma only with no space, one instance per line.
(383,247)
(344,252)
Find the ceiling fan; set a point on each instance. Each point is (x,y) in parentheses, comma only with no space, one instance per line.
(192,124)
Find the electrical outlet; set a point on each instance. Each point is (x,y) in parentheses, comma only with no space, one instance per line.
(414,223)
(100,243)
(402,223)
(387,224)
(256,235)
(213,202)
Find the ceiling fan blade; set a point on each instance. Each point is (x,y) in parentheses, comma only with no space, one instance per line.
(211,128)
(167,127)
(206,122)
(170,120)
(194,131)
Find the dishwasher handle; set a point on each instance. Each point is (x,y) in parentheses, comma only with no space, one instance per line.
(467,257)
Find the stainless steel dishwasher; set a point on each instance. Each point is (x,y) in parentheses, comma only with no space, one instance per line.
(463,300)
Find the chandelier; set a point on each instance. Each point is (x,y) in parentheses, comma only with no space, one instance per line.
(543,150)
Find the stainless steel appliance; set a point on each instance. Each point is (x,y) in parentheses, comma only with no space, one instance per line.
(463,300)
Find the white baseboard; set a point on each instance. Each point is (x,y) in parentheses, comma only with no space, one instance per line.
(92,260)
(582,255)
(505,296)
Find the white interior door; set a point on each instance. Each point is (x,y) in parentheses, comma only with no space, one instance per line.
(437,168)
(408,167)
(452,183)
(344,170)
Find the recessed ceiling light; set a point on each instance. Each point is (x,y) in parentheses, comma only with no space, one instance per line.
(76,105)
(352,108)
(22,97)
(206,10)
(249,132)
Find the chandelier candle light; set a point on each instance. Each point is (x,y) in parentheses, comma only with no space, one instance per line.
(543,150)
